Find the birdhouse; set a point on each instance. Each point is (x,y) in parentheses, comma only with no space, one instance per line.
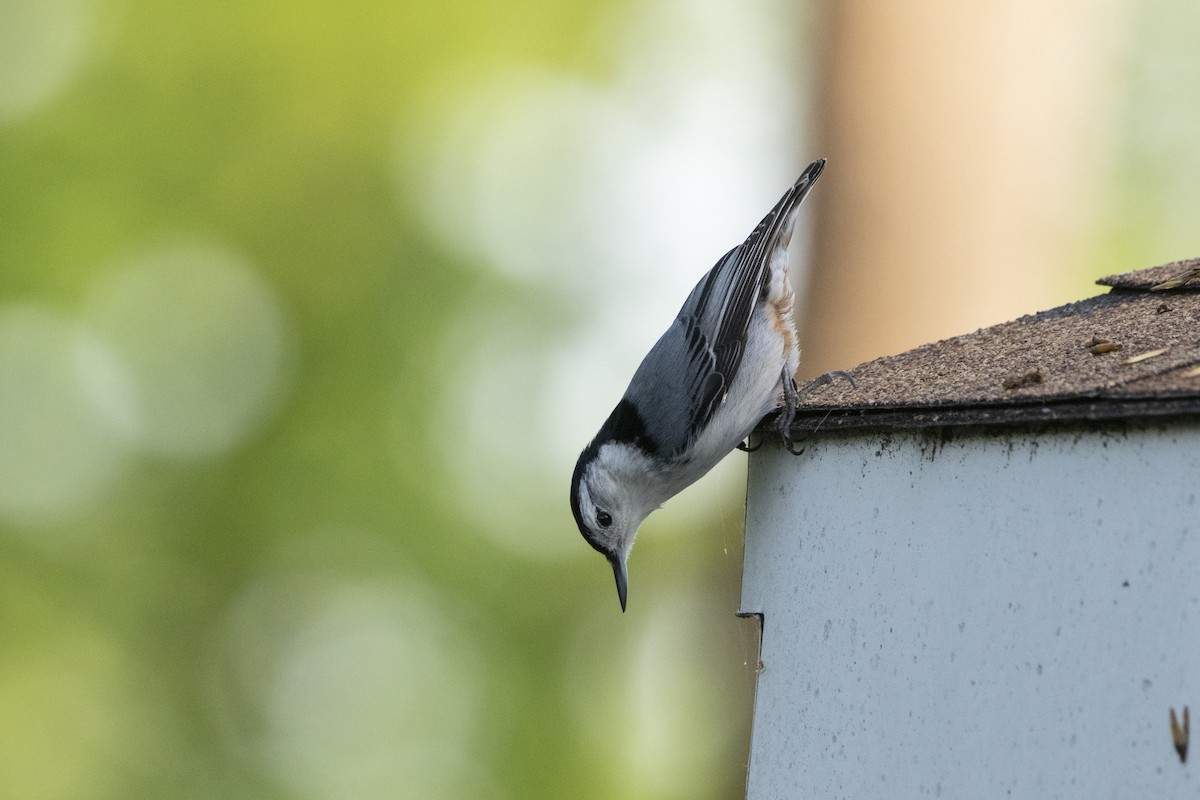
(981,578)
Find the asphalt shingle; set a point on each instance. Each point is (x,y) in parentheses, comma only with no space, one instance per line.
(1132,352)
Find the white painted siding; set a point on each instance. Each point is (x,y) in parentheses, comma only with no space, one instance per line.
(1002,614)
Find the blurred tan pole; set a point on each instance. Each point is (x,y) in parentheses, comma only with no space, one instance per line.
(966,144)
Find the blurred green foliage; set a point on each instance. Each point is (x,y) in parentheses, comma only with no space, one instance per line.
(305,611)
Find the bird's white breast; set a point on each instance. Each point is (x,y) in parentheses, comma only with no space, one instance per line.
(756,390)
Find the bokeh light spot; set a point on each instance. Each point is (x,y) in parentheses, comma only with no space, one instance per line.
(55,459)
(514,475)
(354,688)
(199,344)
(648,710)
(42,43)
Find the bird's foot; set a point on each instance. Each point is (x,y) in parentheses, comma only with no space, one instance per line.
(783,423)
(791,399)
(825,380)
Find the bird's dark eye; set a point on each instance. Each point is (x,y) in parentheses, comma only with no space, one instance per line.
(603,517)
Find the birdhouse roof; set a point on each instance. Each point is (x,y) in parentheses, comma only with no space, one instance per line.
(1132,352)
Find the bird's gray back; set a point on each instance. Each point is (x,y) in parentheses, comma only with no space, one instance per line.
(684,377)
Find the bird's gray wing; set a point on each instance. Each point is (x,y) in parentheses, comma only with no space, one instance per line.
(685,376)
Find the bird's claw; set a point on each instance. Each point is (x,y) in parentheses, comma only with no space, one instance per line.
(791,399)
(824,380)
(789,445)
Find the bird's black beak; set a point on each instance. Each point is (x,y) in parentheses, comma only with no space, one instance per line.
(618,565)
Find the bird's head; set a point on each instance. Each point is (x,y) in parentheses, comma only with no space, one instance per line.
(612,492)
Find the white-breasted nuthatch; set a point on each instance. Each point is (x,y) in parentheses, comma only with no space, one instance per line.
(726,362)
